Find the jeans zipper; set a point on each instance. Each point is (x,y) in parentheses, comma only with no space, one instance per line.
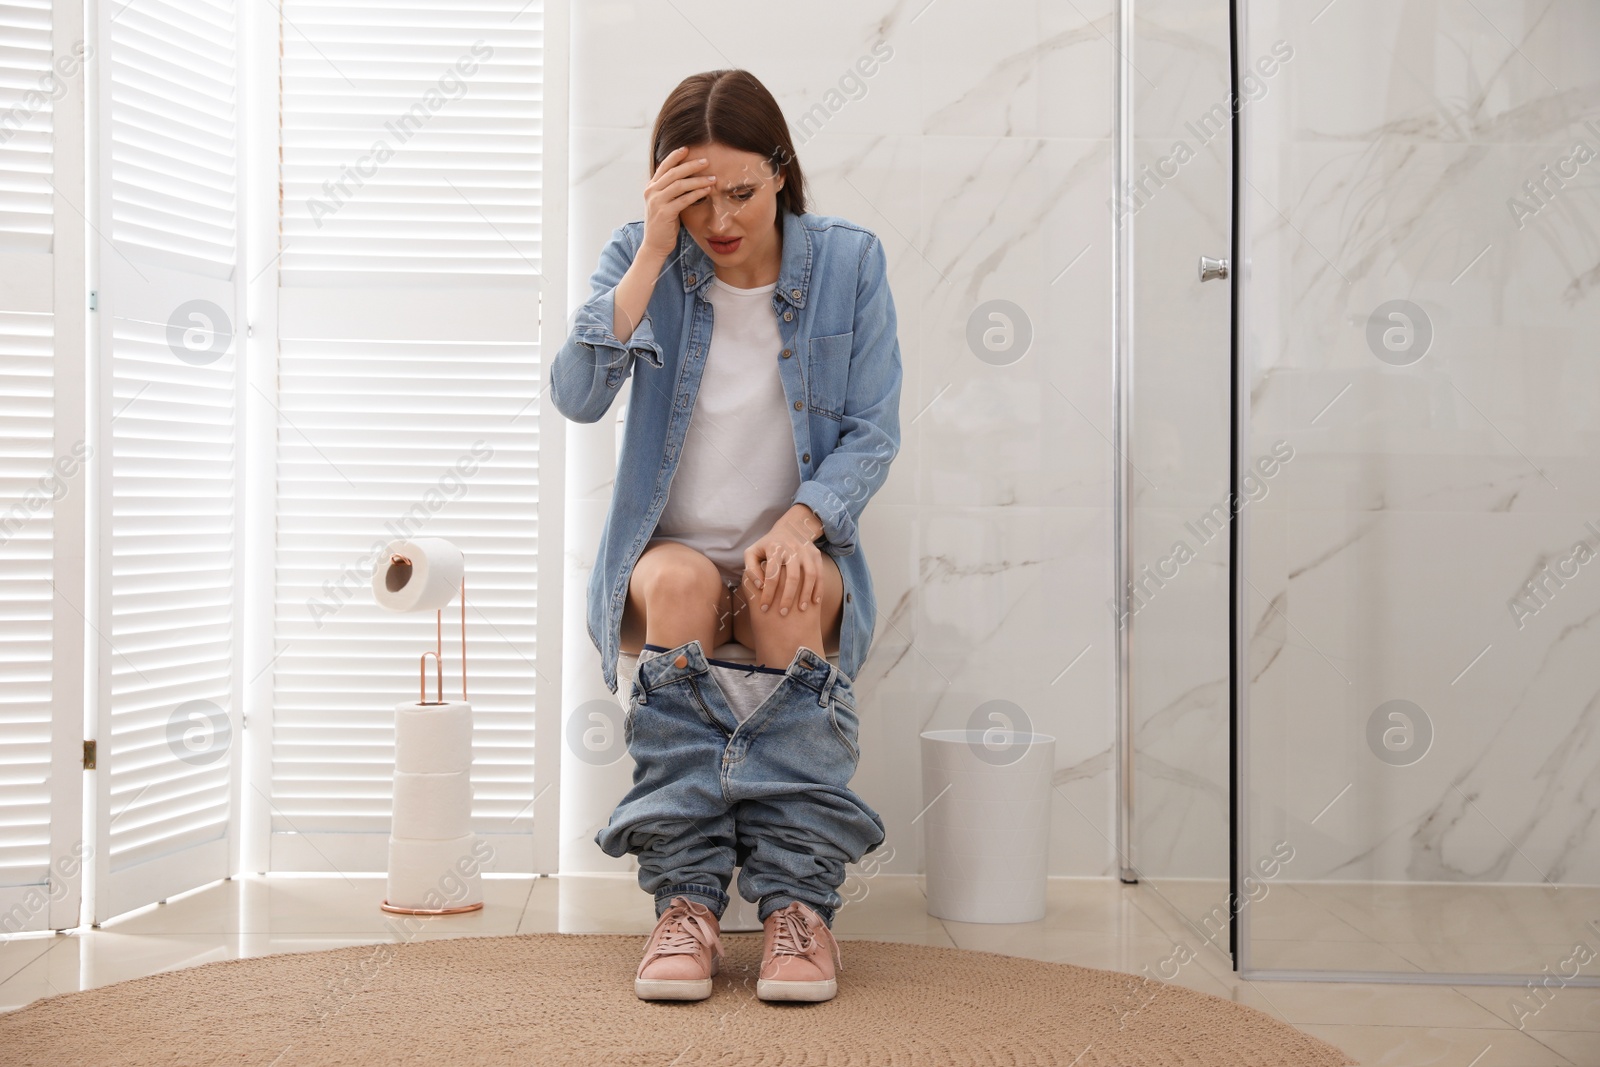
(705,711)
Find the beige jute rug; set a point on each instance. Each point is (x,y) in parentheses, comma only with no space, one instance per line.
(568,999)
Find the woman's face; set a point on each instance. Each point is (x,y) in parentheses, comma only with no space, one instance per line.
(735,223)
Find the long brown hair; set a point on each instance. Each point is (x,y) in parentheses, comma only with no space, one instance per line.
(733,108)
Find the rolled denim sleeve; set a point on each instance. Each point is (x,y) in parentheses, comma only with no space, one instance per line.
(870,434)
(592,363)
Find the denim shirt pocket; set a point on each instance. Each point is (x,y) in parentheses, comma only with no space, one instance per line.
(828,373)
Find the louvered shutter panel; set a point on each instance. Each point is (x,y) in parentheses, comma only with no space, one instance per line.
(169,691)
(407,376)
(42,454)
(25,127)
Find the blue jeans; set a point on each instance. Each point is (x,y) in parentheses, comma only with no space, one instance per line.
(769,795)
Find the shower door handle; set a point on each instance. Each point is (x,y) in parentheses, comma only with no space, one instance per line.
(1212,268)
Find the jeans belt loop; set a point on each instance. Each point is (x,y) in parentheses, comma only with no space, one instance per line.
(827,687)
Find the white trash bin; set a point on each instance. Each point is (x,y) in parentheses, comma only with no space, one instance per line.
(988,834)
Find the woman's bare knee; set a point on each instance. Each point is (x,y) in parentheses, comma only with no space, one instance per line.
(680,591)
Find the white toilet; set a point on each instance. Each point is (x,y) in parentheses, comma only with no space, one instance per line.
(740,915)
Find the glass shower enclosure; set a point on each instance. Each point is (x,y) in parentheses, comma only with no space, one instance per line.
(1362,280)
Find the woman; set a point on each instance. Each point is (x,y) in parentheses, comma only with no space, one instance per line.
(763,415)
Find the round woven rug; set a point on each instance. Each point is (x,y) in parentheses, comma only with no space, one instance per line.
(568,999)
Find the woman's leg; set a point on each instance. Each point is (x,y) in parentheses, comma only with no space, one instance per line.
(675,594)
(674,818)
(775,637)
(798,821)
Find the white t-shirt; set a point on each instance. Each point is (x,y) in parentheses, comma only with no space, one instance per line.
(737,474)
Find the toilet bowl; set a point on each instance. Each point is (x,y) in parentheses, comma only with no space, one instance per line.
(740,915)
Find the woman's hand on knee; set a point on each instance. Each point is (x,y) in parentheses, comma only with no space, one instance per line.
(785,565)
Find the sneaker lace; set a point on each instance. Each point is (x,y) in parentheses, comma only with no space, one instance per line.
(793,936)
(684,933)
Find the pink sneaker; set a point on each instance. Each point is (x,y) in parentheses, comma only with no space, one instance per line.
(798,956)
(682,954)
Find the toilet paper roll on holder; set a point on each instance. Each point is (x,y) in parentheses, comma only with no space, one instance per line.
(399,572)
(397,576)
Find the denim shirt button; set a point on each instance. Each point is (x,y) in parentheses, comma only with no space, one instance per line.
(806,458)
(787,315)
(797,405)
(691,279)
(847,598)
(796,293)
(787,352)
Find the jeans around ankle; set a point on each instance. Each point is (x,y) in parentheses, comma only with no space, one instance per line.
(769,795)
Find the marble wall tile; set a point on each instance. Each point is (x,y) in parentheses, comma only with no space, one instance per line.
(1017,68)
(1019,220)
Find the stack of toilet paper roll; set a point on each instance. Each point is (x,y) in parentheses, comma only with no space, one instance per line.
(431,861)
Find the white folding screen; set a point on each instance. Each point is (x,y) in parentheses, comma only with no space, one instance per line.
(404,335)
(43,457)
(166,796)
(406,404)
(25,130)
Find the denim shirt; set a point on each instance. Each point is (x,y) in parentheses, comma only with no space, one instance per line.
(840,368)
